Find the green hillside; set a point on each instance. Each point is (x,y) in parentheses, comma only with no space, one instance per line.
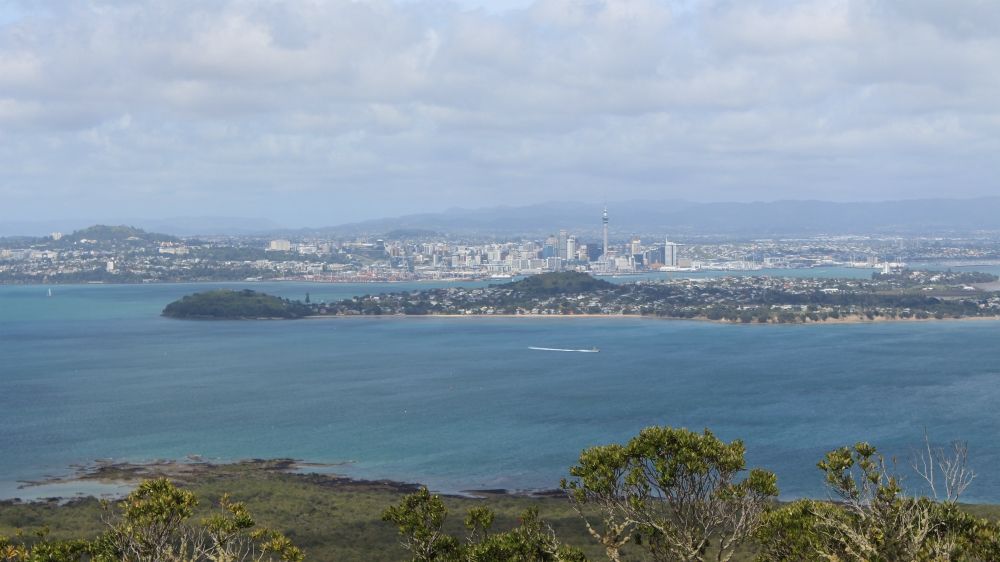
(226,304)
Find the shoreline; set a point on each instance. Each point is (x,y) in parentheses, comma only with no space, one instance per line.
(123,477)
(853,319)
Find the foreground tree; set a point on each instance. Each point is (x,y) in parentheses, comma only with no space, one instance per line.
(599,485)
(152,524)
(873,519)
(420,518)
(687,496)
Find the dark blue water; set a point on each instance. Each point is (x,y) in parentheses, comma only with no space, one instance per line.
(93,372)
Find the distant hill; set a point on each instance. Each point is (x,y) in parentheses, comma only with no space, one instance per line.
(676,217)
(99,235)
(121,233)
(649,218)
(557,283)
(177,226)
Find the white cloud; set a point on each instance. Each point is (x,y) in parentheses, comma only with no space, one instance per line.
(380,106)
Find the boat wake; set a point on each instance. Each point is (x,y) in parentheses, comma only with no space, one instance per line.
(594,350)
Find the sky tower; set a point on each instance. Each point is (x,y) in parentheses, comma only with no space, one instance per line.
(604,219)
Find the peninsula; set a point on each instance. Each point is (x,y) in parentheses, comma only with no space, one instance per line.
(908,295)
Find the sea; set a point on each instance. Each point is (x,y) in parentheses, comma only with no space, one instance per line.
(93,373)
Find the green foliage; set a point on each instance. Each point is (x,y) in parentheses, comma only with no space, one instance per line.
(676,489)
(235,305)
(120,233)
(873,521)
(41,549)
(152,515)
(151,525)
(559,283)
(420,518)
(531,541)
(792,532)
(478,521)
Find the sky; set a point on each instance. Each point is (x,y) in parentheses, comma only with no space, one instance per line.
(319,112)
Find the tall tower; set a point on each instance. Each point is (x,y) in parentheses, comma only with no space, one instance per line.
(604,219)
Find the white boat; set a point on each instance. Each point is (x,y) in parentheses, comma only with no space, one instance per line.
(591,350)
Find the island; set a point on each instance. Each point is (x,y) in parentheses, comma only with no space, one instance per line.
(227,304)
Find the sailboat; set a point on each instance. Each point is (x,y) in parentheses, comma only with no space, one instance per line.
(50,292)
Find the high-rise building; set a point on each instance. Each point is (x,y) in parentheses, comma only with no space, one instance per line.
(670,254)
(594,251)
(551,248)
(279,246)
(635,247)
(571,248)
(604,220)
(561,252)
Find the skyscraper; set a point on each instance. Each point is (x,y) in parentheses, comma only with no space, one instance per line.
(670,257)
(551,248)
(604,220)
(561,252)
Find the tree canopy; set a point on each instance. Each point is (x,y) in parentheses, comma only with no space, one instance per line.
(223,304)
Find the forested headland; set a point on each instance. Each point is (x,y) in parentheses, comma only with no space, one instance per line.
(226,304)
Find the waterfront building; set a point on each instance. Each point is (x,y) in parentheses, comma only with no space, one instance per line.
(671,254)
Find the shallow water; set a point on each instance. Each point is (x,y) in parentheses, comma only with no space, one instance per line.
(94,373)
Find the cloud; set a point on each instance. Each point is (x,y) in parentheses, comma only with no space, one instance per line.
(363,108)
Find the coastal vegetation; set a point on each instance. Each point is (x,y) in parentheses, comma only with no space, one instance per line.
(558,283)
(154,523)
(226,304)
(667,494)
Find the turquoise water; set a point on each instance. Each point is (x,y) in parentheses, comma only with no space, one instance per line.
(93,372)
